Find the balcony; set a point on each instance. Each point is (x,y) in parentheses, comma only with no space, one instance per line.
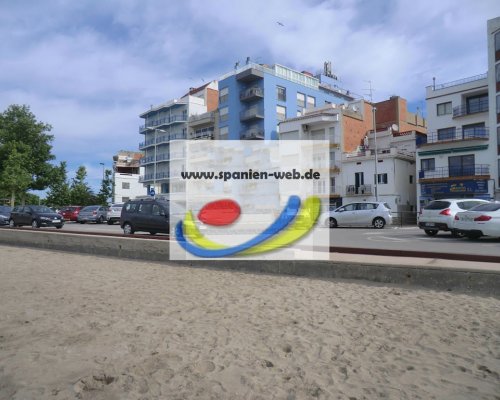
(392,151)
(482,170)
(251,94)
(251,114)
(152,124)
(362,190)
(458,82)
(458,135)
(171,136)
(146,178)
(147,143)
(202,119)
(250,74)
(147,160)
(205,133)
(252,134)
(468,109)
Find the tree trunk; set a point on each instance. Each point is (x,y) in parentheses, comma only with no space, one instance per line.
(12,198)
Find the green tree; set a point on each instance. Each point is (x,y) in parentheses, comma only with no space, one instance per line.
(20,131)
(81,194)
(106,190)
(14,177)
(59,193)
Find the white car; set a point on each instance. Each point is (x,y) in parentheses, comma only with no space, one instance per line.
(114,212)
(482,220)
(376,214)
(438,215)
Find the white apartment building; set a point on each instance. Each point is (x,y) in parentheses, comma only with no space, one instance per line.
(126,172)
(168,122)
(456,161)
(493,27)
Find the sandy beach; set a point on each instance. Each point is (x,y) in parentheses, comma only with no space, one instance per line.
(84,327)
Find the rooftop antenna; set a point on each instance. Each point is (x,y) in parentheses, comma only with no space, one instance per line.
(370,90)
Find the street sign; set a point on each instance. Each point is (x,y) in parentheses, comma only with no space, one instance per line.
(152,192)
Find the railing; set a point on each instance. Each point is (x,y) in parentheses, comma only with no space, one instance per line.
(145,144)
(162,157)
(170,136)
(471,108)
(163,121)
(458,82)
(251,93)
(457,135)
(210,116)
(452,172)
(371,152)
(252,134)
(205,133)
(147,160)
(147,177)
(255,112)
(352,190)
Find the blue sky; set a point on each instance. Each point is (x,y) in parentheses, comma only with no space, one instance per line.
(89,68)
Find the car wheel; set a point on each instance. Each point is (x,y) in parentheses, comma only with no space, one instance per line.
(457,234)
(12,224)
(331,223)
(152,233)
(127,229)
(431,232)
(110,222)
(59,226)
(35,224)
(100,220)
(378,223)
(81,222)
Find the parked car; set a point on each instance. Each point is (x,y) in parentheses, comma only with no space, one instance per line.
(482,220)
(36,216)
(438,215)
(5,215)
(70,213)
(114,212)
(376,214)
(95,214)
(147,215)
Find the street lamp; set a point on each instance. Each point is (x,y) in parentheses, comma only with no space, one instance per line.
(102,170)
(374,109)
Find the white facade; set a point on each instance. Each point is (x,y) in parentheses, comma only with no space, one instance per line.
(494,97)
(456,161)
(395,168)
(127,186)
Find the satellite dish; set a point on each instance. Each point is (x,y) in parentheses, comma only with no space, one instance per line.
(394,127)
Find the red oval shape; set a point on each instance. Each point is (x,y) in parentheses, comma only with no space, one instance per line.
(220,212)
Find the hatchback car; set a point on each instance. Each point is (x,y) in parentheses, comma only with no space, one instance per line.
(95,214)
(5,215)
(482,220)
(376,214)
(438,215)
(70,213)
(114,212)
(147,215)
(36,216)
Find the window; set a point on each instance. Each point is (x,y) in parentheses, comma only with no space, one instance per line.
(131,207)
(497,46)
(497,74)
(280,113)
(318,134)
(299,113)
(444,108)
(157,210)
(281,93)
(359,179)
(473,131)
(223,114)
(332,185)
(446,133)
(124,199)
(125,185)
(382,179)
(311,102)
(349,207)
(224,132)
(498,141)
(476,104)
(301,100)
(223,95)
(145,208)
(411,179)
(461,165)
(428,164)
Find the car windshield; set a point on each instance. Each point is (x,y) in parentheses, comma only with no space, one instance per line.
(487,207)
(437,205)
(90,208)
(42,209)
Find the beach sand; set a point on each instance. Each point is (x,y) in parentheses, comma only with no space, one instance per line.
(85,327)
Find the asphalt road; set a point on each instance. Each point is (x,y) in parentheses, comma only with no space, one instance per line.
(393,238)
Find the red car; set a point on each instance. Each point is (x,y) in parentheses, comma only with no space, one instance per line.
(70,213)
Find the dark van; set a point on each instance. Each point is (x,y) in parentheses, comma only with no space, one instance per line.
(146,215)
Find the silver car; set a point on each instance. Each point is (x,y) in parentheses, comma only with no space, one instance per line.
(114,212)
(95,214)
(374,213)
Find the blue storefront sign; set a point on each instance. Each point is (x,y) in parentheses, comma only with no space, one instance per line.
(470,187)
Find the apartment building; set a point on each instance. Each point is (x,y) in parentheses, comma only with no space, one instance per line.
(349,128)
(456,159)
(126,172)
(169,122)
(493,33)
(253,99)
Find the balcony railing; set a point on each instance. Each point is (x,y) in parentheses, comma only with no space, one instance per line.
(147,160)
(163,121)
(353,190)
(170,136)
(252,113)
(205,118)
(371,152)
(205,133)
(471,108)
(145,144)
(252,134)
(251,94)
(145,178)
(455,172)
(480,133)
(458,82)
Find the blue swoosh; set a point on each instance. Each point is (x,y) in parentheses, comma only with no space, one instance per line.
(286,216)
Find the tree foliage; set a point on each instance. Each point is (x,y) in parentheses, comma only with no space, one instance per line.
(81,194)
(106,190)
(29,139)
(14,177)
(59,192)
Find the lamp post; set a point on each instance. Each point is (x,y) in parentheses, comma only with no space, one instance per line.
(374,109)
(102,170)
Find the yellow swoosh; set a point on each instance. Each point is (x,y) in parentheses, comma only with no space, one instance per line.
(302,224)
